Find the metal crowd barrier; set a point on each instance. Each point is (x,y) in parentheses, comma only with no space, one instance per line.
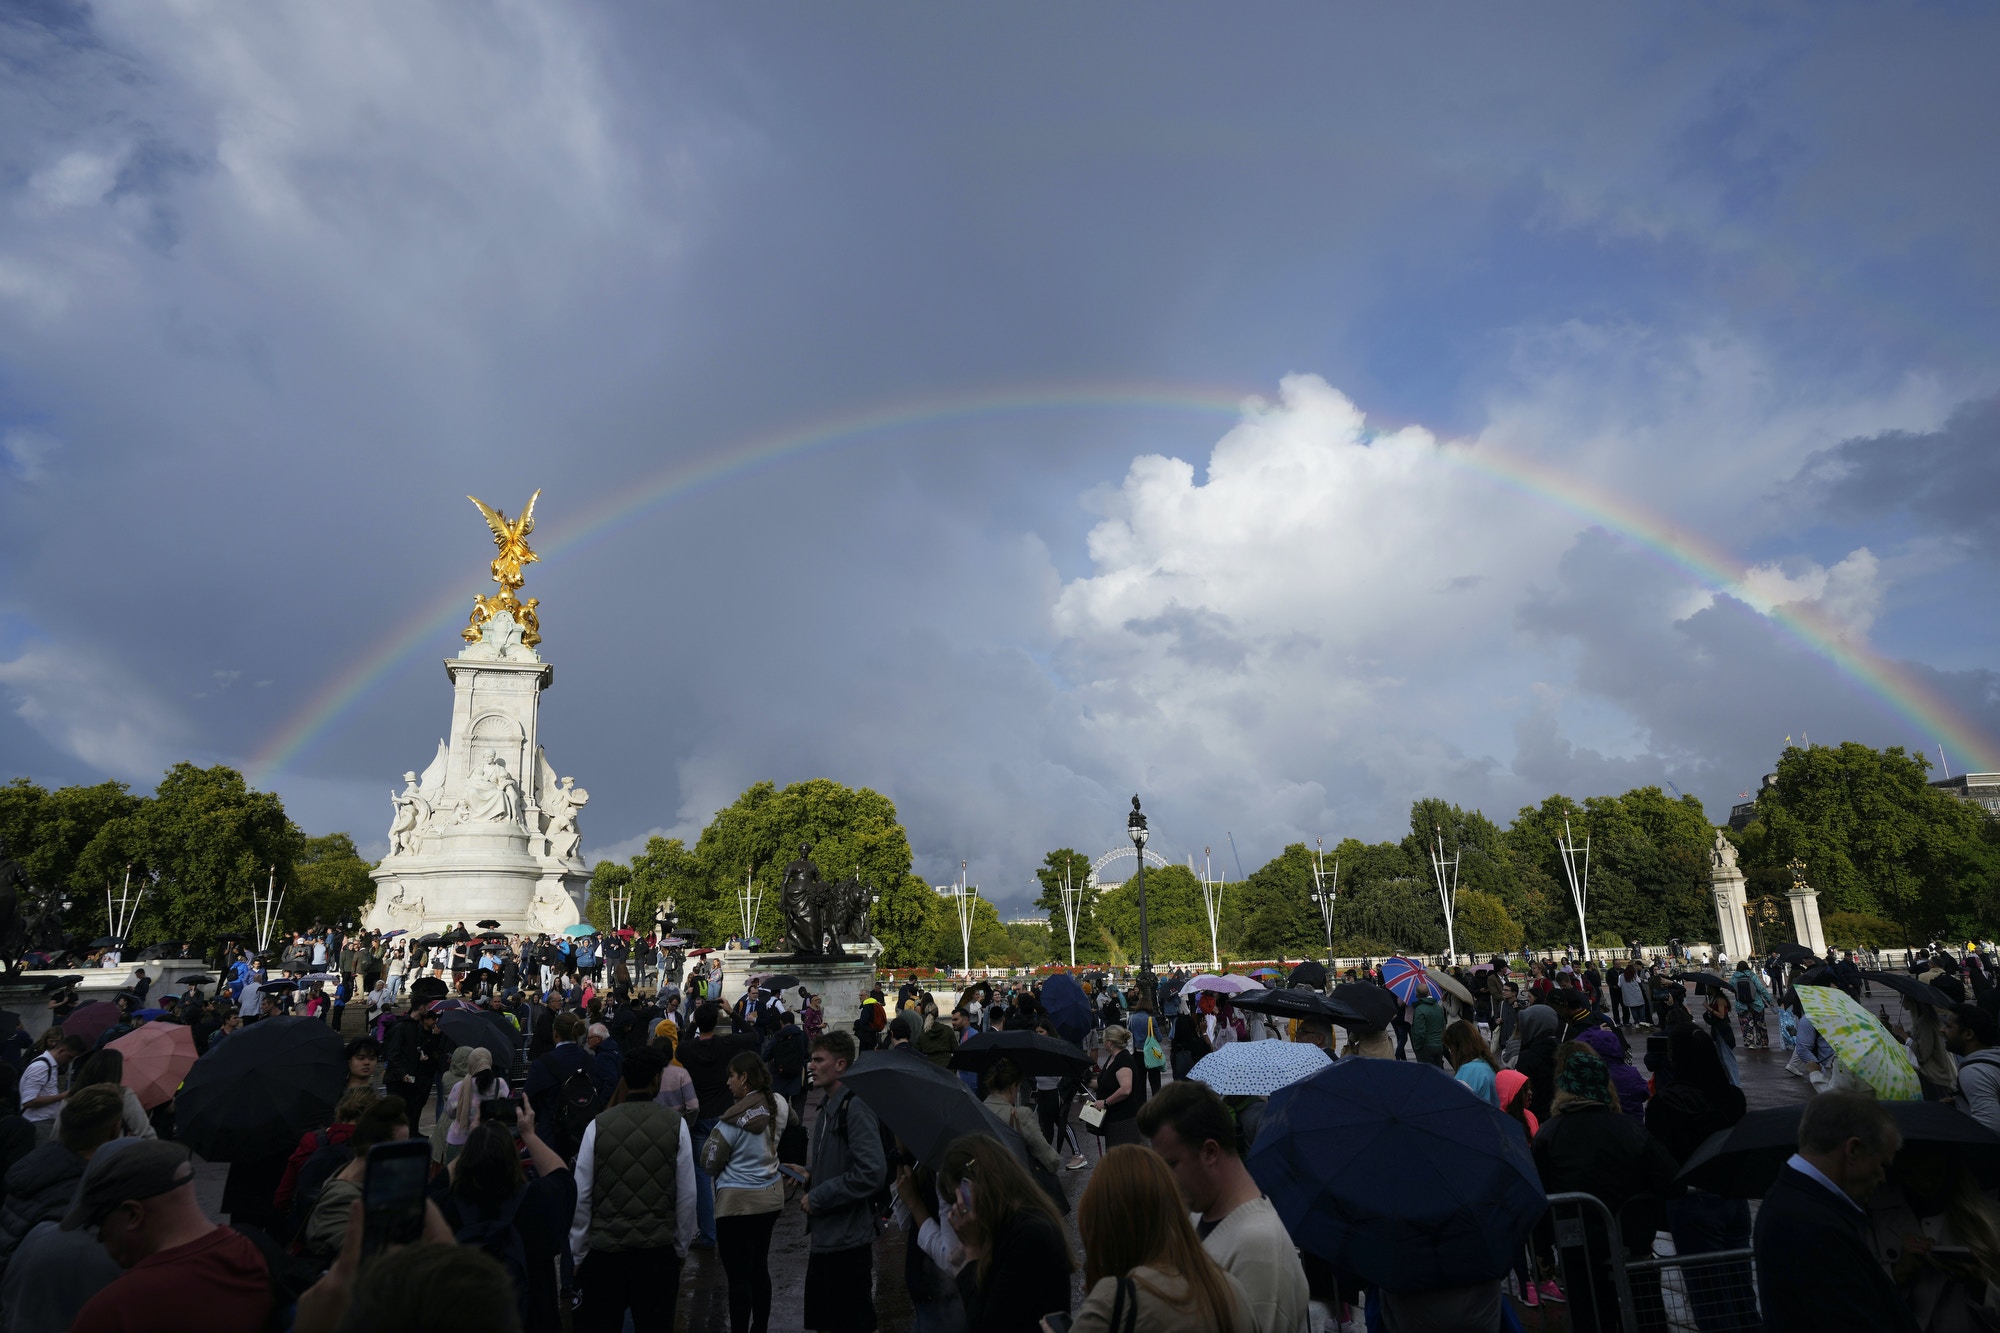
(1607,1292)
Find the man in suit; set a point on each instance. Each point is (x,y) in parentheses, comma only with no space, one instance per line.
(1814,1268)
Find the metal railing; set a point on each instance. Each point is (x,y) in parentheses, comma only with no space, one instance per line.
(1608,1291)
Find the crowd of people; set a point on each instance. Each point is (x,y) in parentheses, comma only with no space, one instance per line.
(620,1129)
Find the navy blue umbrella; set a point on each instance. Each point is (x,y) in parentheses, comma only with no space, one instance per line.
(1398,1175)
(1070,1011)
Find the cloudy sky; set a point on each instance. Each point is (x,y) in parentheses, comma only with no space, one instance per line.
(1282,412)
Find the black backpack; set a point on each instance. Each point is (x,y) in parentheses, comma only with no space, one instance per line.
(786,1062)
(325,1162)
(499,1237)
(576,1107)
(1746,990)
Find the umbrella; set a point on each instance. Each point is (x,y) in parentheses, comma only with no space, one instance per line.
(487,925)
(1370,1005)
(89,1021)
(197,981)
(107,942)
(275,986)
(148,1014)
(1702,979)
(453,1006)
(477,1027)
(1920,991)
(1394,1173)
(1067,1007)
(1032,1053)
(625,933)
(432,938)
(1790,952)
(783,981)
(1743,1161)
(1452,986)
(392,934)
(456,937)
(1402,976)
(60,983)
(1258,1068)
(429,988)
(1864,1046)
(1309,973)
(924,1106)
(1264,973)
(1231,985)
(157,1057)
(255,1094)
(580,929)
(1287,1003)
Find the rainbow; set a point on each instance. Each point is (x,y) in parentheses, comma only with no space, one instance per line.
(426,627)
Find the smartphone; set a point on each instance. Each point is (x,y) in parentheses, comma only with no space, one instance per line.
(965,1197)
(1057,1322)
(507,1110)
(791,1173)
(393,1190)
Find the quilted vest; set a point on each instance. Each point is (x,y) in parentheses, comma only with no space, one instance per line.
(632,1177)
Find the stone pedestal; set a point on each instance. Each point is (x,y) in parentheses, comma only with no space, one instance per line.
(1726,881)
(27,996)
(839,983)
(1805,918)
(489,831)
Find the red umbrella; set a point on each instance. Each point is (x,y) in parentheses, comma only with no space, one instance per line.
(89,1021)
(157,1057)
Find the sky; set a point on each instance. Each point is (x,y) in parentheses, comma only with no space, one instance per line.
(1282,412)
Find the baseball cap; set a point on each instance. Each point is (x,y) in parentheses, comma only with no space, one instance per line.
(142,1170)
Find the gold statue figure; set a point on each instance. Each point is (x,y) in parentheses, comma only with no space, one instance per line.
(512,539)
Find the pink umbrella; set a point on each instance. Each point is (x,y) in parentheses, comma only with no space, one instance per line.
(1226,985)
(157,1057)
(89,1021)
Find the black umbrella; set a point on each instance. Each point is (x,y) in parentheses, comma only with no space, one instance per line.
(60,983)
(1920,991)
(487,925)
(197,981)
(1288,1004)
(432,938)
(1793,952)
(253,1095)
(924,1106)
(786,981)
(1370,1005)
(279,986)
(107,942)
(1702,979)
(475,1027)
(429,988)
(456,937)
(1311,973)
(1394,1176)
(494,935)
(1032,1053)
(1743,1160)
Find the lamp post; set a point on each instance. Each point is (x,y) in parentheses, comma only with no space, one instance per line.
(1135,828)
(1324,888)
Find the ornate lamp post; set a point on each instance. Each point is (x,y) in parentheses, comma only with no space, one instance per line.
(1135,828)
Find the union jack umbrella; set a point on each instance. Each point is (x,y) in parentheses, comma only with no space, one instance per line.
(1403,975)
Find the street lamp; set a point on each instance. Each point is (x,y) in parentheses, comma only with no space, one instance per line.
(1135,828)
(1324,888)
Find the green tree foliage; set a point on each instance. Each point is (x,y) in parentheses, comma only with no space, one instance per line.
(1089,942)
(1484,927)
(1648,868)
(48,832)
(1176,922)
(1271,914)
(330,884)
(910,921)
(1877,839)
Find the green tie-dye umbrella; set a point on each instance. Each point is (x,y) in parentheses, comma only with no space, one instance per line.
(1865,1048)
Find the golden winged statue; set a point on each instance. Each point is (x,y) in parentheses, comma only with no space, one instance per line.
(512,539)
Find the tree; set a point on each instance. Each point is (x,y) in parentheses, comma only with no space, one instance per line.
(1472,838)
(909,922)
(1271,914)
(331,884)
(1484,927)
(1176,923)
(49,831)
(1050,876)
(1877,839)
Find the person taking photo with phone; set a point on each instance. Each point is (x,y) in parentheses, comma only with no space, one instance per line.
(489,1203)
(1017,1259)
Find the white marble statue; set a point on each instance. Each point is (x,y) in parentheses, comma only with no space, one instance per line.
(561,804)
(413,812)
(501,800)
(1724,854)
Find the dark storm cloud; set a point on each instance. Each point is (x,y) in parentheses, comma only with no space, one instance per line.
(1946,481)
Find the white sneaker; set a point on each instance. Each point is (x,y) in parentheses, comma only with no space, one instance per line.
(1076,1163)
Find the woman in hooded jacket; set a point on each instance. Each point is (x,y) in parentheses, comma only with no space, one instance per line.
(1541,1033)
(1628,1082)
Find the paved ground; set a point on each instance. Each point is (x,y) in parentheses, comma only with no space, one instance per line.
(704,1291)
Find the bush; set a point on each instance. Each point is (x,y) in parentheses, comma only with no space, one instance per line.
(1859,930)
(1483,925)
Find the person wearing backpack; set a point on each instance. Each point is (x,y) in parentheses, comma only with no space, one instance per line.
(490,1204)
(561,1086)
(848,1171)
(320,1153)
(330,1200)
(1751,1001)
(635,1213)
